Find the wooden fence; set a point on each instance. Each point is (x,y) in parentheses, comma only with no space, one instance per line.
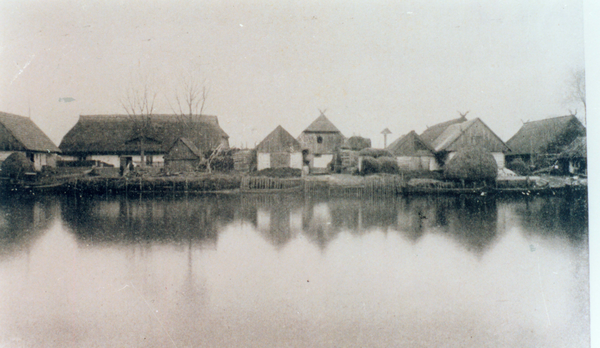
(266,183)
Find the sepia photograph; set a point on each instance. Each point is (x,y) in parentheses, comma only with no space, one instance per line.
(260,173)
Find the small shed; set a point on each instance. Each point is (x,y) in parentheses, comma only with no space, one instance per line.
(412,153)
(279,150)
(244,160)
(573,159)
(183,156)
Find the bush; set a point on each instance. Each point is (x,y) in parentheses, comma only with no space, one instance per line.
(388,165)
(357,143)
(370,166)
(17,164)
(518,166)
(375,153)
(473,164)
(222,163)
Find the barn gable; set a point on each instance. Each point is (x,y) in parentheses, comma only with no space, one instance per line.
(410,145)
(279,140)
(466,134)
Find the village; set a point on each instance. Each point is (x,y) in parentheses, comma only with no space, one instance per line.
(191,153)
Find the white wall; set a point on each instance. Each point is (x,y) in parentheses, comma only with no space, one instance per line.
(110,159)
(296,160)
(322,161)
(499,157)
(264,161)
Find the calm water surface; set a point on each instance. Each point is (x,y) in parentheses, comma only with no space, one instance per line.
(281,271)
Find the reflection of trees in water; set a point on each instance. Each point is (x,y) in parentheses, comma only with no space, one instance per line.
(166,219)
(23,219)
(565,216)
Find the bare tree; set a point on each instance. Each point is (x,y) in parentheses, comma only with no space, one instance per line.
(577,91)
(139,105)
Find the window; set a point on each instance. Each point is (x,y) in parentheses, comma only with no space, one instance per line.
(319,139)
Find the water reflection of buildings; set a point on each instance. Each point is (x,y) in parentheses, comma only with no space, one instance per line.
(23,219)
(472,221)
(155,220)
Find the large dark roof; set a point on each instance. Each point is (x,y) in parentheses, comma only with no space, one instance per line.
(321,125)
(279,140)
(410,145)
(115,134)
(27,135)
(431,133)
(549,135)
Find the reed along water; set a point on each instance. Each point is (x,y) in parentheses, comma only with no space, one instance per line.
(282,270)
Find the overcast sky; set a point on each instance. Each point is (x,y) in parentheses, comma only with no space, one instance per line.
(403,65)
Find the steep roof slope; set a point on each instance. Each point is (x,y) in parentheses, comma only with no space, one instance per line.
(26,133)
(577,149)
(431,133)
(453,133)
(549,135)
(321,125)
(115,134)
(410,144)
(279,140)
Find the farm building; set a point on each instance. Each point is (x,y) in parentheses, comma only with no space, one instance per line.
(573,158)
(412,153)
(244,160)
(113,139)
(320,141)
(431,133)
(538,143)
(279,150)
(183,156)
(472,133)
(20,134)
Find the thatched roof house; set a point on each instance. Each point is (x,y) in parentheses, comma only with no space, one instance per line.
(431,133)
(279,150)
(547,136)
(413,153)
(103,137)
(20,134)
(320,140)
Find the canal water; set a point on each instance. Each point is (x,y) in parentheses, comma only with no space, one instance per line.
(283,271)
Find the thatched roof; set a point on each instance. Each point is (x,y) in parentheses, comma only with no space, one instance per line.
(546,136)
(577,149)
(453,133)
(279,140)
(410,145)
(356,143)
(321,125)
(431,133)
(116,134)
(21,134)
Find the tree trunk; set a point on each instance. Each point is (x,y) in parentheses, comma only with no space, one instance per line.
(143,164)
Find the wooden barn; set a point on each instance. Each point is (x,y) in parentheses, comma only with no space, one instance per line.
(183,156)
(244,160)
(431,133)
(412,153)
(279,150)
(20,134)
(538,143)
(113,139)
(320,141)
(472,133)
